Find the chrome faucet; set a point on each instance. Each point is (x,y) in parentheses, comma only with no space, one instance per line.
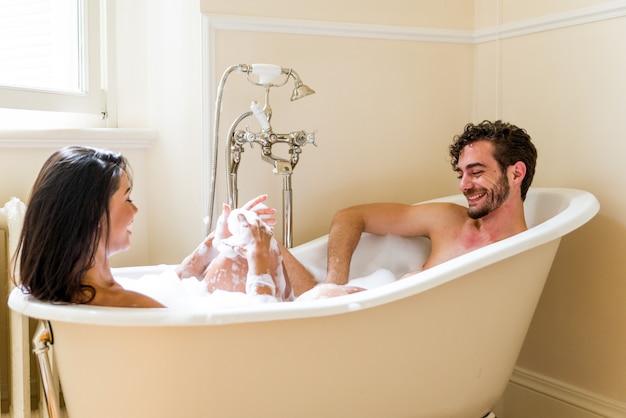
(266,138)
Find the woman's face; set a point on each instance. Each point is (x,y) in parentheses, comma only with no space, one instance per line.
(122,211)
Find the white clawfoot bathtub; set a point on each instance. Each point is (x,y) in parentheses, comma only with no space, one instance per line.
(440,343)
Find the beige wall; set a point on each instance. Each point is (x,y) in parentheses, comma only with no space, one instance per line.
(384,112)
(516,10)
(449,14)
(373,143)
(159,61)
(567,88)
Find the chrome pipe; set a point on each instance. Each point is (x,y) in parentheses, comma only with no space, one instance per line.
(215,141)
(287,211)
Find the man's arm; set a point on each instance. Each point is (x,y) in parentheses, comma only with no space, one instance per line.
(376,218)
(347,226)
(343,237)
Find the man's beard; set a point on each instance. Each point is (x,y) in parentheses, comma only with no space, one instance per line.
(495,198)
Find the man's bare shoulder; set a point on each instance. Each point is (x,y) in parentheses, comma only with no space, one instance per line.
(441,209)
(426,219)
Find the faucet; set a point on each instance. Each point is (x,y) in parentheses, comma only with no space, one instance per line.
(266,138)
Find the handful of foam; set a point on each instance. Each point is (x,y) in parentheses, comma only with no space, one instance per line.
(234,226)
(227,246)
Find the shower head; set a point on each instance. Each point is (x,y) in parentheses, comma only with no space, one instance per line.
(300,89)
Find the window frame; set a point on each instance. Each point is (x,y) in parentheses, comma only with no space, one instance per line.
(93,101)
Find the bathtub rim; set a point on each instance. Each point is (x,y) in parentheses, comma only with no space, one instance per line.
(580,208)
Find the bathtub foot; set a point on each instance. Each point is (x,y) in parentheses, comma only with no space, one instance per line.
(42,342)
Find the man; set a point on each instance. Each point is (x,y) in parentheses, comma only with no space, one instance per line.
(495,162)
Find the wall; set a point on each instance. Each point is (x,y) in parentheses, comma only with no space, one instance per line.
(360,119)
(583,93)
(159,65)
(584,299)
(566,87)
(357,112)
(451,14)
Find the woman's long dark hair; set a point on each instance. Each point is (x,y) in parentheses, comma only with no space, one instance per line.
(67,214)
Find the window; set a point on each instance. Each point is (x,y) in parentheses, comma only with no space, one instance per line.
(50,56)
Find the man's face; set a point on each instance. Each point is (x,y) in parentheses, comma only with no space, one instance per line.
(482,182)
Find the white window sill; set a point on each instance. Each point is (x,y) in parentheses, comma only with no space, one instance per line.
(96,137)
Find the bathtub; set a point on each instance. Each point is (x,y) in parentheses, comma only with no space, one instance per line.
(440,343)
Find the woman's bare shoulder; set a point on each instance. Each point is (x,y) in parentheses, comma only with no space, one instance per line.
(117,296)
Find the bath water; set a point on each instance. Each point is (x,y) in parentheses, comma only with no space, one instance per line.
(382,260)
(190,293)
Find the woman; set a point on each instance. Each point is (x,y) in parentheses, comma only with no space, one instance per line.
(79,214)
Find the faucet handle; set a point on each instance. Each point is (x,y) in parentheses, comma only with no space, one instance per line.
(255,107)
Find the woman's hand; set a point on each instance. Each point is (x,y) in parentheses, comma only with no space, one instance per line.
(254,239)
(255,205)
(195,264)
(221,226)
(265,213)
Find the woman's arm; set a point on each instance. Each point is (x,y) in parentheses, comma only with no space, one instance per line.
(196,263)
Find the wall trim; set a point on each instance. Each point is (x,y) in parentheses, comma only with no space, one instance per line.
(568,394)
(337,29)
(96,137)
(604,11)
(599,12)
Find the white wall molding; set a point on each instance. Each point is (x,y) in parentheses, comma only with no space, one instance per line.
(599,12)
(97,137)
(604,11)
(568,394)
(337,29)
